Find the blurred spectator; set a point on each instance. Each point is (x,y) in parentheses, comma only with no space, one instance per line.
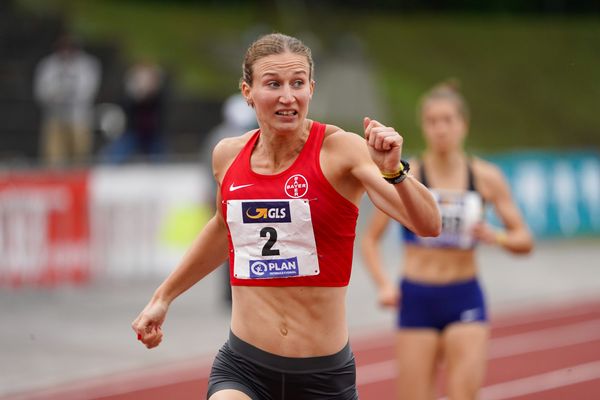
(145,88)
(65,85)
(238,118)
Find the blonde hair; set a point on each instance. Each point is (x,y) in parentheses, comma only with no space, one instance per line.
(448,90)
(273,43)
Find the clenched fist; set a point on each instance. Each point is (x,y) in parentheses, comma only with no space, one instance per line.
(385,145)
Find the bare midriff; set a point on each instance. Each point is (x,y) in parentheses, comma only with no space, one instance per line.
(438,266)
(291,321)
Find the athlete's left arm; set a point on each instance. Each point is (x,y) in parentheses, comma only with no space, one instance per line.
(408,202)
(515,236)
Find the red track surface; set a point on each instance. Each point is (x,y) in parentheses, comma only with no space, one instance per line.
(541,354)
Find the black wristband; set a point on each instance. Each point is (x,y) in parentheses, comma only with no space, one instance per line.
(402,176)
(397,179)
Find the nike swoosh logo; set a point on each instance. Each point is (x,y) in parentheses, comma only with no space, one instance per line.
(233,188)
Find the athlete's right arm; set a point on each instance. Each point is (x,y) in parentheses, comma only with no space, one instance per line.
(207,252)
(371,252)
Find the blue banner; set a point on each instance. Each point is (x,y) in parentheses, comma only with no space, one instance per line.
(558,193)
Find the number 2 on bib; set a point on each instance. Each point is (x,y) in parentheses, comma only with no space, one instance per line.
(267,249)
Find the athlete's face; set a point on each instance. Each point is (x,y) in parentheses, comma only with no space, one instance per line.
(281,91)
(443,125)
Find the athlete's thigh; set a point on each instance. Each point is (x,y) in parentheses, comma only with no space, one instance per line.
(465,352)
(417,353)
(229,394)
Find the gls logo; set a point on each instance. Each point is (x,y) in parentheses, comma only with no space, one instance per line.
(254,212)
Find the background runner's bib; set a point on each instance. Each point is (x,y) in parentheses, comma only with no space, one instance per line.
(460,211)
(272,238)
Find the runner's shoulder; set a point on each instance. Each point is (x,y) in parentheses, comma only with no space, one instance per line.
(227,149)
(339,138)
(485,170)
(489,178)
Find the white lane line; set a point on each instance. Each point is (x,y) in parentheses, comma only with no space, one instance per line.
(538,383)
(376,372)
(545,339)
(519,318)
(121,383)
(366,373)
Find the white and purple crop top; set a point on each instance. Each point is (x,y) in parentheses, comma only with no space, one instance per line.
(460,211)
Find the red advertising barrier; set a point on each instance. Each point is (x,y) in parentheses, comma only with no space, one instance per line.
(44,228)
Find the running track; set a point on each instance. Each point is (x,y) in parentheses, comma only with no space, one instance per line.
(550,354)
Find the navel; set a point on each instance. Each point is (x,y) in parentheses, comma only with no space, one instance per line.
(283,330)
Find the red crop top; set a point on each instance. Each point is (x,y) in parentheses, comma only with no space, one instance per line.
(288,229)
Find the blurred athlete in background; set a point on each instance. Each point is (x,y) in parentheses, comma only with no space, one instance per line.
(442,314)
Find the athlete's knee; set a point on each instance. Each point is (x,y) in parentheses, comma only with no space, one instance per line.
(464,386)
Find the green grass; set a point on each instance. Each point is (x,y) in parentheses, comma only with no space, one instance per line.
(531,82)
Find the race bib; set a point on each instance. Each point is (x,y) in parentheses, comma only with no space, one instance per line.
(460,211)
(272,238)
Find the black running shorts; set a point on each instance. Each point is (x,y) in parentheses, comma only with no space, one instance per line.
(266,376)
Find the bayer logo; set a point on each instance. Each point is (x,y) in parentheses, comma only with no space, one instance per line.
(258,268)
(296,186)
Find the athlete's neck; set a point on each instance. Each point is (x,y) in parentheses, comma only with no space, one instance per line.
(444,161)
(276,150)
